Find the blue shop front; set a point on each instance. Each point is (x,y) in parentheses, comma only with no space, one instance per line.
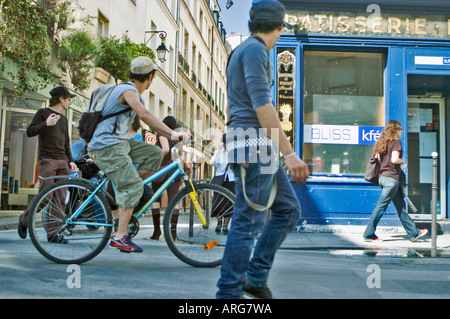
(342,72)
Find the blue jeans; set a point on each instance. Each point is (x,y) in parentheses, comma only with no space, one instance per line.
(390,192)
(247,224)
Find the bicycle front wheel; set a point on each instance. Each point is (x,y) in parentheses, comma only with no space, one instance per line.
(69,241)
(192,241)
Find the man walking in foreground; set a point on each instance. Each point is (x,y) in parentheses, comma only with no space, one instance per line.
(250,76)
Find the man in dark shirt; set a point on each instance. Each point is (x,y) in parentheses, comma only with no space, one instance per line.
(55,157)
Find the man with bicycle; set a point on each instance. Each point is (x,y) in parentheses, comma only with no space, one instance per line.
(115,154)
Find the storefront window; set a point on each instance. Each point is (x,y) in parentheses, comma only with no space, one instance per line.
(343,110)
(19,174)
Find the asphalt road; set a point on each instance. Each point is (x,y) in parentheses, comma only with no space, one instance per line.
(158,274)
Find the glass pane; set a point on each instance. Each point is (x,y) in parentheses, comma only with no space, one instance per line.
(286,91)
(423,139)
(343,110)
(27,104)
(20,154)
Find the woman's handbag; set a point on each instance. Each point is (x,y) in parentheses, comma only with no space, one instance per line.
(373,170)
(220,179)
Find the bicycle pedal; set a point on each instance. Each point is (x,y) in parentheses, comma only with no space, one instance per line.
(124,251)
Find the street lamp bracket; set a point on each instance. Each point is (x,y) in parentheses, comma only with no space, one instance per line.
(161,51)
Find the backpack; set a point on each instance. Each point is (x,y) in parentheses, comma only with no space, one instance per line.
(93,115)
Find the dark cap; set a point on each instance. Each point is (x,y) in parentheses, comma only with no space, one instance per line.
(268,10)
(61,91)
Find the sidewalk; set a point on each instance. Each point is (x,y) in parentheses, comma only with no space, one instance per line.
(322,237)
(395,240)
(9,219)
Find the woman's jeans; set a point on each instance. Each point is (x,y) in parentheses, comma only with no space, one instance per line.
(390,192)
(243,261)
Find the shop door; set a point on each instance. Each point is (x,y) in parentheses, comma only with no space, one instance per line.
(425,136)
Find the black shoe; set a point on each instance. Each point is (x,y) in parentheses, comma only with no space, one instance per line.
(21,229)
(58,239)
(146,196)
(257,292)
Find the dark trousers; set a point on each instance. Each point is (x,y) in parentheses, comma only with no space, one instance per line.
(48,167)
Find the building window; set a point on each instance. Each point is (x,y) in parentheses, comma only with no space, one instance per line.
(343,110)
(161,110)
(102,26)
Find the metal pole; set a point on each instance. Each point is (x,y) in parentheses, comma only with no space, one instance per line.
(434,190)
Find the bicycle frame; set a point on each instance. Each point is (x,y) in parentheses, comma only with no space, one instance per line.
(179,171)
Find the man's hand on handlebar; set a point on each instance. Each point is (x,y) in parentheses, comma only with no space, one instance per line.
(184,137)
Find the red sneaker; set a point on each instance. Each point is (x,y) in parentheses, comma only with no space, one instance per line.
(125,244)
(422,232)
(376,240)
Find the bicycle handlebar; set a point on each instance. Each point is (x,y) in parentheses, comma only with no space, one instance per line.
(175,150)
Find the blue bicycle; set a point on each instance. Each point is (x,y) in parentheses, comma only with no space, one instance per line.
(77,212)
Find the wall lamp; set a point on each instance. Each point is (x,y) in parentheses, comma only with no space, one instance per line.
(161,51)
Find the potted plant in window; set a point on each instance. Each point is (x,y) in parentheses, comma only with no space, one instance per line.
(111,56)
(101,74)
(115,55)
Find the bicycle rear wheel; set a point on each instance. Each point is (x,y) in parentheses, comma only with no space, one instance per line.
(69,242)
(187,238)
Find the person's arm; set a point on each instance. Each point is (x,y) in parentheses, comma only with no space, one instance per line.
(268,118)
(72,164)
(37,125)
(214,159)
(164,145)
(132,99)
(395,158)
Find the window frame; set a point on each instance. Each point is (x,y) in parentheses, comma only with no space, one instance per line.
(300,48)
